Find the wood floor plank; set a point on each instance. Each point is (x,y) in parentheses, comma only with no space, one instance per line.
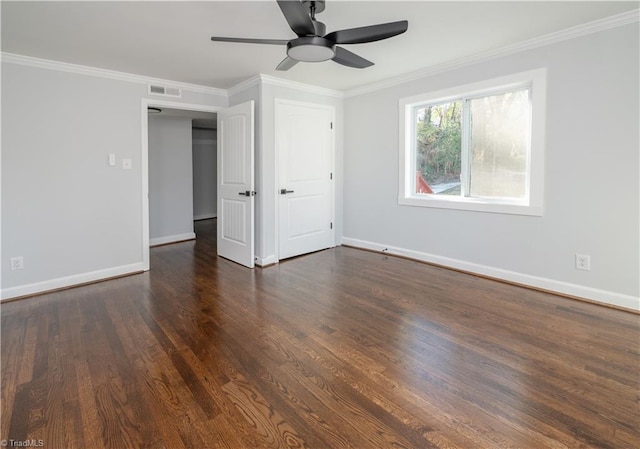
(171,409)
(14,358)
(337,349)
(272,429)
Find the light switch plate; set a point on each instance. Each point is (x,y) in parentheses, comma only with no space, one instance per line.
(112,160)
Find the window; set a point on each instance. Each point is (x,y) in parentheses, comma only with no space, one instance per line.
(476,147)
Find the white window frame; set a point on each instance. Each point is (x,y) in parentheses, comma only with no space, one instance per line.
(532,204)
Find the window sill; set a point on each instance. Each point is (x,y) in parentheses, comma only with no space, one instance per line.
(472,204)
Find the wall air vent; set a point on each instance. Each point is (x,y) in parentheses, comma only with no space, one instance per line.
(165,91)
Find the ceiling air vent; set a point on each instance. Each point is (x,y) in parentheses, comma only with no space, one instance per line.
(165,91)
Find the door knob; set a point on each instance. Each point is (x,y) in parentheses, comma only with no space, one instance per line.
(285,191)
(247,193)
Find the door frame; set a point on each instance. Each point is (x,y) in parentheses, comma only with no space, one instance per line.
(144,160)
(332,165)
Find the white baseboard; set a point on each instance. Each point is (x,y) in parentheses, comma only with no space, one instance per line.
(70,281)
(205,216)
(266,261)
(172,239)
(565,288)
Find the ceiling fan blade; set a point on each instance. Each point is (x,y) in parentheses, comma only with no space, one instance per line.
(250,41)
(369,33)
(297,17)
(286,64)
(345,57)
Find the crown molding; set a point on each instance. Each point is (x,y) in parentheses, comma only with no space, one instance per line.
(596,26)
(104,73)
(139,79)
(275,81)
(244,85)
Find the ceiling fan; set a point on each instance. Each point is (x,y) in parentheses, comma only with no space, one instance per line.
(313,45)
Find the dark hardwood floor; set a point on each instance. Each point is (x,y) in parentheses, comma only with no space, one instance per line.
(338,349)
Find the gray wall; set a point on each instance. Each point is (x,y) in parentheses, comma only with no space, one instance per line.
(204,173)
(591,200)
(170,180)
(64,209)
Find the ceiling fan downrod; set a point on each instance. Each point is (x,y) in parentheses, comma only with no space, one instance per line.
(315,7)
(313,11)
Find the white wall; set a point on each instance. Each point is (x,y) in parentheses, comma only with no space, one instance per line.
(170,180)
(71,216)
(204,173)
(591,201)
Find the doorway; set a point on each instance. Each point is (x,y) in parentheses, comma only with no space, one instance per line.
(180,109)
(204,147)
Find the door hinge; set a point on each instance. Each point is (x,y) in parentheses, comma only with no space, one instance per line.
(331,225)
(331,123)
(330,175)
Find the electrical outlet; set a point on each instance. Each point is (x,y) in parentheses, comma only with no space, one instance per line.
(126,164)
(17,263)
(583,262)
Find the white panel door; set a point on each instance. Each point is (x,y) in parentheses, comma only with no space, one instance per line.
(236,200)
(304,141)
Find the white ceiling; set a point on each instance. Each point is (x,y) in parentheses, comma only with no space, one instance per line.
(170,40)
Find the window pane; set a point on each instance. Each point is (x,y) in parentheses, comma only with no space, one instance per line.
(438,143)
(499,136)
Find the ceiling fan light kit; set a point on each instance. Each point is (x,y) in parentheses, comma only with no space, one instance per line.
(310,49)
(313,44)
